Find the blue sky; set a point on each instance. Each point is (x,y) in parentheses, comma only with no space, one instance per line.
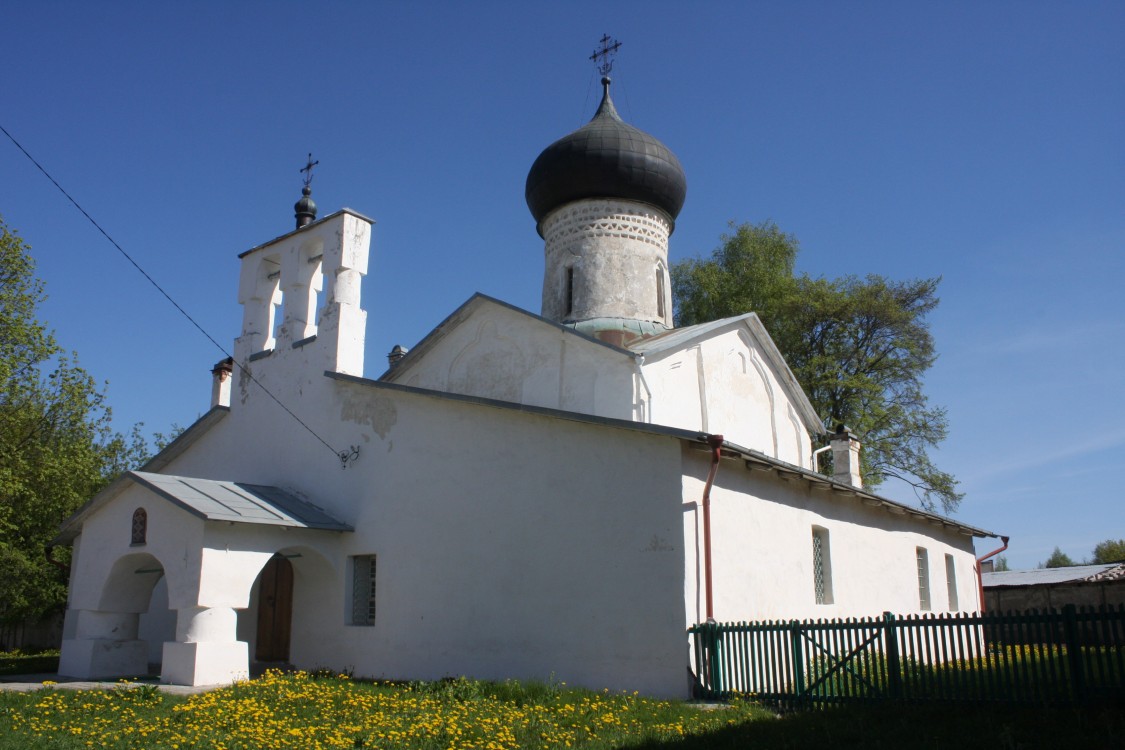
(977,141)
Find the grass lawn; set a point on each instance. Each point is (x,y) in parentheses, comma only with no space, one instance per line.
(305,711)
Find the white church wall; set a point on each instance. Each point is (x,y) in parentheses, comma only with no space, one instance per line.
(726,385)
(173,539)
(762,550)
(158,624)
(503,354)
(676,393)
(507,562)
(496,557)
(113,580)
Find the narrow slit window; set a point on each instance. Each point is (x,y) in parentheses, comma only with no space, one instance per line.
(363,590)
(951,583)
(822,565)
(923,579)
(569,290)
(140,526)
(660,292)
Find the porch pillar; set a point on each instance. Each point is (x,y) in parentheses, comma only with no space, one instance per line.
(206,650)
(105,644)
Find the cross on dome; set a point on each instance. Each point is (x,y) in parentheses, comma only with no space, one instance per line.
(605,54)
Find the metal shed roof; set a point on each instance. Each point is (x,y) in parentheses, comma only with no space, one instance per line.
(217,500)
(1047,576)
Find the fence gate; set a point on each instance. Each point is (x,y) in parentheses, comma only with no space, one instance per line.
(1073,655)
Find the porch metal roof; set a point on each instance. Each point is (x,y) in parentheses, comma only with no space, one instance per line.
(217,500)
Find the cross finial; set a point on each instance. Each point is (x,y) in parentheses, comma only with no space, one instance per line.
(307,170)
(603,57)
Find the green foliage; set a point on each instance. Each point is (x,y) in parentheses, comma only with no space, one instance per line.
(23,662)
(1001,564)
(859,347)
(56,446)
(1058,559)
(1109,551)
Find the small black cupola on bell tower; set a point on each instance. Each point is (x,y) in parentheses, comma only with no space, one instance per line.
(305,209)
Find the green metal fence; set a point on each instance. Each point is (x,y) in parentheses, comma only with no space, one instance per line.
(1072,655)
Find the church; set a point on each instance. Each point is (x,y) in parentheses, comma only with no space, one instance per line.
(531,496)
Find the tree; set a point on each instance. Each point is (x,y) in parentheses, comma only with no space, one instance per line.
(56,446)
(1109,551)
(859,347)
(1001,564)
(1058,559)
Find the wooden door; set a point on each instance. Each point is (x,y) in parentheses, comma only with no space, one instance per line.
(275,610)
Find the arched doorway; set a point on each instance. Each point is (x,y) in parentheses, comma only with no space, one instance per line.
(275,611)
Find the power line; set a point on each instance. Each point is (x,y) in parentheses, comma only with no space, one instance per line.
(344,456)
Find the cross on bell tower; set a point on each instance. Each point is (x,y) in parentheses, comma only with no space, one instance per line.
(305,208)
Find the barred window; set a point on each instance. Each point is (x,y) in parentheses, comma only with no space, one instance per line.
(140,526)
(923,579)
(822,565)
(951,583)
(363,590)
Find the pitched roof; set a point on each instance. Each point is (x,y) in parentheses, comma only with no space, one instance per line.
(1053,576)
(216,500)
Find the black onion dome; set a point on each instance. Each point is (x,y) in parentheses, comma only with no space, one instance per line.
(305,209)
(606,158)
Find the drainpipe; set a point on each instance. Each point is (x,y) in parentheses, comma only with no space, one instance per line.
(49,553)
(716,443)
(980,576)
(817,452)
(638,363)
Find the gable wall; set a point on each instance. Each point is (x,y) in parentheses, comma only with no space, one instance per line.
(762,550)
(174,538)
(725,385)
(501,354)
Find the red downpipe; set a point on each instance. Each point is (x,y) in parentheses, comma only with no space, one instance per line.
(49,552)
(980,575)
(716,443)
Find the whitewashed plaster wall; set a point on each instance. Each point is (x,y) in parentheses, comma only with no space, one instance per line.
(762,550)
(185,564)
(508,544)
(725,385)
(503,354)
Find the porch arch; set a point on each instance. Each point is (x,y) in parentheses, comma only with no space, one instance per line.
(314,591)
(106,640)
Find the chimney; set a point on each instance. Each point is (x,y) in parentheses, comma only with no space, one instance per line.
(396,354)
(845,457)
(220,382)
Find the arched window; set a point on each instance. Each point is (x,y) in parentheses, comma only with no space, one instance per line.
(660,292)
(140,526)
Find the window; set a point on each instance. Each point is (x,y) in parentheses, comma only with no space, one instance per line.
(363,590)
(822,565)
(951,583)
(140,526)
(923,579)
(660,292)
(569,291)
